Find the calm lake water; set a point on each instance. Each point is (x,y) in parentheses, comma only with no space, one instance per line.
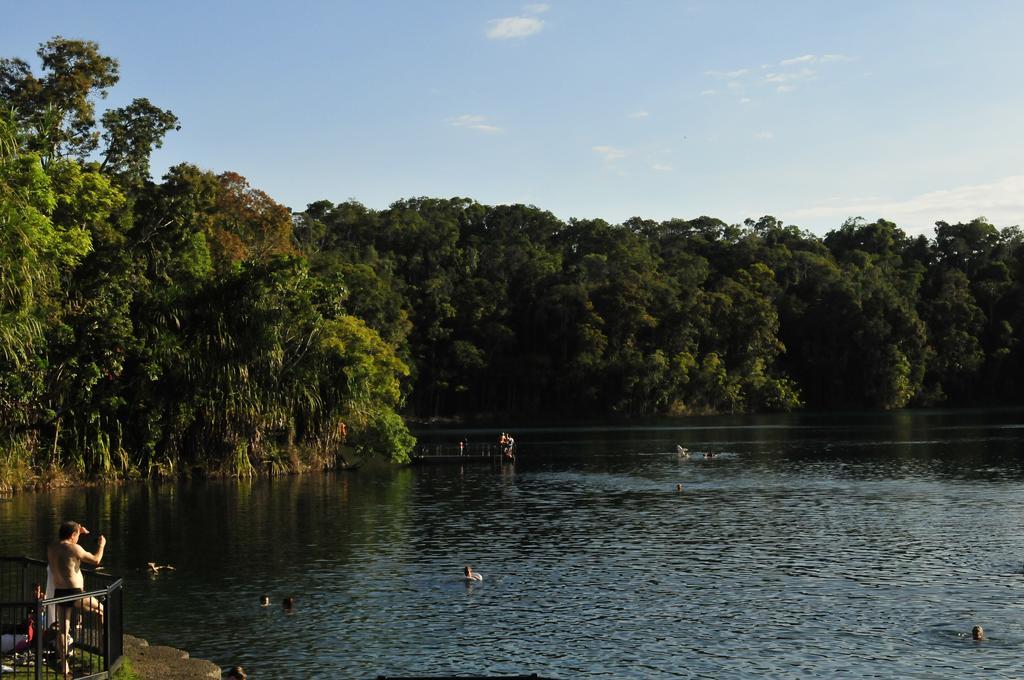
(854,545)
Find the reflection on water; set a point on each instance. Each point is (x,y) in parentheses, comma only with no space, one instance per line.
(864,545)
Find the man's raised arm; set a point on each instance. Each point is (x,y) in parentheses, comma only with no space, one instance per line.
(89,558)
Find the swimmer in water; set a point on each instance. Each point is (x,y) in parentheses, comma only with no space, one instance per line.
(265,601)
(470,575)
(978,633)
(679,487)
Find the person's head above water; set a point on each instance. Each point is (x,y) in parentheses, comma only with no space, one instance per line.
(468,571)
(288,602)
(265,600)
(978,633)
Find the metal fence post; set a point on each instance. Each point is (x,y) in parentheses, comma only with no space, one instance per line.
(39,639)
(106,631)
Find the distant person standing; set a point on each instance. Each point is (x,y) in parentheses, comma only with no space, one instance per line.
(65,558)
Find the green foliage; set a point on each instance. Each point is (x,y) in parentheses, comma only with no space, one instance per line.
(126,671)
(56,109)
(365,388)
(162,328)
(512,310)
(131,133)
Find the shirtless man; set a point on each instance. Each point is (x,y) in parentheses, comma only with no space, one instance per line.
(65,558)
(471,575)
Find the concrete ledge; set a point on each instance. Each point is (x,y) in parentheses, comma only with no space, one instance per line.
(154,662)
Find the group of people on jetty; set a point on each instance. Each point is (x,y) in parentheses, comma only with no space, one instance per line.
(508,446)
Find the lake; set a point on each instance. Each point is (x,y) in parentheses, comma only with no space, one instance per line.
(855,544)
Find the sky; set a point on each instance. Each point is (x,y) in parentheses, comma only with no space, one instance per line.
(813,112)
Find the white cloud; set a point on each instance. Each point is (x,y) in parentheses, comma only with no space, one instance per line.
(537,8)
(746,100)
(514,27)
(791,76)
(783,75)
(473,122)
(609,153)
(764,135)
(639,114)
(805,59)
(815,59)
(661,167)
(728,74)
(465,119)
(1001,202)
(706,93)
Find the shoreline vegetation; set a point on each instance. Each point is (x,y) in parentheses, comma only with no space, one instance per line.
(193,325)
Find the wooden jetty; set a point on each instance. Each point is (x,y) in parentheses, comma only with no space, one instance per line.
(453,453)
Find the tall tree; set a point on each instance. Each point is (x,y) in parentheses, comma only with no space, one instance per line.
(131,134)
(57,107)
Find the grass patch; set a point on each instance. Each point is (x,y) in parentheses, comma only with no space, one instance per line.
(125,671)
(83,662)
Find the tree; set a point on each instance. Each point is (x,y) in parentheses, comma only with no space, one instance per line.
(57,107)
(954,323)
(247,225)
(131,133)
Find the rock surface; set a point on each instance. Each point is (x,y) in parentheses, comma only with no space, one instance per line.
(154,662)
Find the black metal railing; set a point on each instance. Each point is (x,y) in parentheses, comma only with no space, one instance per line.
(78,635)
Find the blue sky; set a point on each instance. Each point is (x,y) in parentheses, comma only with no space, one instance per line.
(809,111)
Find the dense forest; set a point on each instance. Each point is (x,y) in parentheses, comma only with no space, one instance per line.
(195,323)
